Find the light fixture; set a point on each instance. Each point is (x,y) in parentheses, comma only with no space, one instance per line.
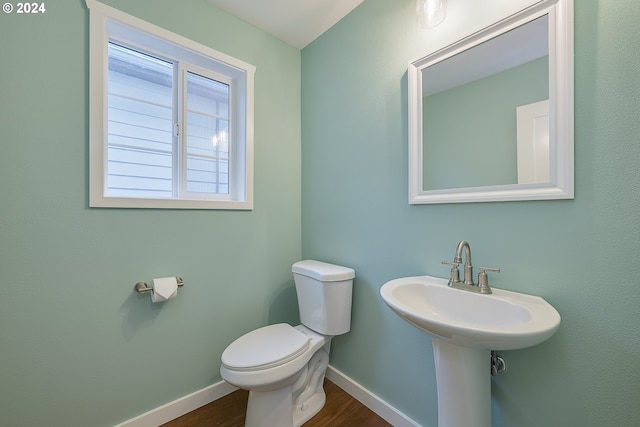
(431,12)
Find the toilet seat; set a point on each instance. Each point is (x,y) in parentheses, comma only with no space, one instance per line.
(266,347)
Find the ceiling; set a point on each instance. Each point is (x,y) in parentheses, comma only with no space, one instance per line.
(296,22)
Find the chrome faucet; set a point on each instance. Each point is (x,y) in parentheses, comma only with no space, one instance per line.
(468,284)
(468,267)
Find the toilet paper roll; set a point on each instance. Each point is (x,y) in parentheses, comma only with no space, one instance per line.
(164,288)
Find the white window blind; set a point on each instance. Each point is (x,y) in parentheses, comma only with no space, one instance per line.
(145,132)
(207,135)
(140,125)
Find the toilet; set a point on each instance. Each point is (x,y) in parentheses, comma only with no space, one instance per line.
(283,366)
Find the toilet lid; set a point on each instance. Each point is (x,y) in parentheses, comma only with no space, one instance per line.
(265,348)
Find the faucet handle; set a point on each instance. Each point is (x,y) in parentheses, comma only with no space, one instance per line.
(483,279)
(455,273)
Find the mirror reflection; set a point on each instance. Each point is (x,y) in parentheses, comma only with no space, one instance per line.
(491,115)
(498,96)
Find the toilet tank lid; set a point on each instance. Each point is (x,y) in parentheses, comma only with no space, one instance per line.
(323,271)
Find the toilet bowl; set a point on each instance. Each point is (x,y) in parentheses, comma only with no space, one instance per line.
(282,377)
(282,366)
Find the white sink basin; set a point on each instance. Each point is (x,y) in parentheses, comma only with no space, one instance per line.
(503,320)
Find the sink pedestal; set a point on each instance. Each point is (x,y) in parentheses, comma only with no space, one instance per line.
(464,385)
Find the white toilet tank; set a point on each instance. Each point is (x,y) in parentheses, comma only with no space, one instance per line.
(324,296)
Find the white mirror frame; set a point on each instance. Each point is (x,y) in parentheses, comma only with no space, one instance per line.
(560,14)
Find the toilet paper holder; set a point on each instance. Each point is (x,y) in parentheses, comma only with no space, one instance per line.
(142,287)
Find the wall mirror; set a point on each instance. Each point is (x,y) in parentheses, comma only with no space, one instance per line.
(491,115)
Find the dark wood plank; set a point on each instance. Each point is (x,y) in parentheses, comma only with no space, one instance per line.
(340,410)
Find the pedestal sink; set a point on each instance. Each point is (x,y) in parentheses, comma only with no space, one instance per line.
(465,327)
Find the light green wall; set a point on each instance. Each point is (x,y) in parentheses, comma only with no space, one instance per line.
(77,346)
(581,255)
(481,145)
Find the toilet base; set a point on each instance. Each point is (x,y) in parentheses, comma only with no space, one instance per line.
(295,404)
(270,408)
(304,412)
(276,409)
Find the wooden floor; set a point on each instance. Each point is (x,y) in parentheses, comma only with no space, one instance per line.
(340,410)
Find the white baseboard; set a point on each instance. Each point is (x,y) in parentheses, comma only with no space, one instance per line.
(181,406)
(370,400)
(190,402)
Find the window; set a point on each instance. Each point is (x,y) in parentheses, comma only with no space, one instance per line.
(170,120)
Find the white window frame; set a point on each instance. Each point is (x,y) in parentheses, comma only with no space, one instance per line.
(109,24)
